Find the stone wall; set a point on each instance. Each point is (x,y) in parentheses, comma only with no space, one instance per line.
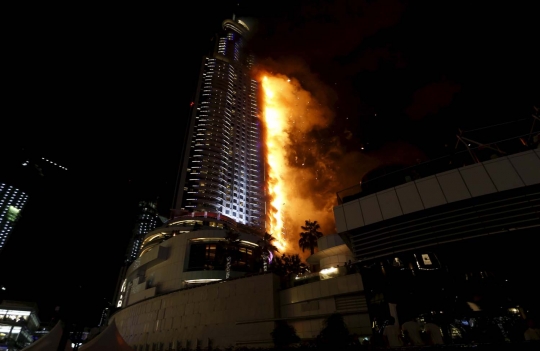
(205,314)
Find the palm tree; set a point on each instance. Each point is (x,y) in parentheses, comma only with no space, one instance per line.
(293,264)
(335,333)
(231,248)
(308,238)
(278,265)
(267,248)
(284,335)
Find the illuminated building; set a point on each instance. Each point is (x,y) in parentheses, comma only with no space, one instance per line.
(179,286)
(220,184)
(147,220)
(12,201)
(18,324)
(222,168)
(26,174)
(438,237)
(191,287)
(201,236)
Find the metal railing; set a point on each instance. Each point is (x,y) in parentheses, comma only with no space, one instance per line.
(469,156)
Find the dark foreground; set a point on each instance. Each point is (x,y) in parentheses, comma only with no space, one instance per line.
(522,346)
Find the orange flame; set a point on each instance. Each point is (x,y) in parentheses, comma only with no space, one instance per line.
(289,115)
(305,161)
(276,139)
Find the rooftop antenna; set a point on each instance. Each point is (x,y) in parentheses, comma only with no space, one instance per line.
(533,138)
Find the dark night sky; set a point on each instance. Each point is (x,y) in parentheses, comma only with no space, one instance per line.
(106,92)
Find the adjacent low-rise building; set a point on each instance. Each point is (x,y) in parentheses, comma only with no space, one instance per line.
(181,292)
(447,243)
(18,322)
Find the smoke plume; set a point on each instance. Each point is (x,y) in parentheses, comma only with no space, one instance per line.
(315,164)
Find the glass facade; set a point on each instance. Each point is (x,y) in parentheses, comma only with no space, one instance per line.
(147,220)
(12,201)
(222,166)
(17,327)
(212,255)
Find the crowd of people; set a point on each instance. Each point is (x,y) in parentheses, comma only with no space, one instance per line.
(412,333)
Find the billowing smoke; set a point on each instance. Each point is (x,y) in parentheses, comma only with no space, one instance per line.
(310,159)
(315,164)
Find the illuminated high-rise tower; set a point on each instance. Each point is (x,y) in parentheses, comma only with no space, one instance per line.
(222,165)
(147,220)
(26,175)
(12,201)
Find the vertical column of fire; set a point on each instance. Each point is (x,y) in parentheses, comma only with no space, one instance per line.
(289,114)
(275,142)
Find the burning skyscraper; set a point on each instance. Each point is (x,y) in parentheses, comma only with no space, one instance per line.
(235,183)
(222,162)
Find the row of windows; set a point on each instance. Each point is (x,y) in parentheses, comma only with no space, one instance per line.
(210,256)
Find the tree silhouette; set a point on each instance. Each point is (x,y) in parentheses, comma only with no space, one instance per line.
(335,333)
(308,238)
(293,264)
(284,335)
(267,247)
(278,266)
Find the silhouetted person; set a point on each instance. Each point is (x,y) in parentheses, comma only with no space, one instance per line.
(412,331)
(349,267)
(532,332)
(392,334)
(433,332)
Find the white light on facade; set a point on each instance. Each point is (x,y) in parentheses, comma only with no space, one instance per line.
(7,329)
(201,281)
(329,270)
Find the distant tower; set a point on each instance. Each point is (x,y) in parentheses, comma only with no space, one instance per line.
(26,174)
(147,220)
(222,166)
(12,201)
(104,317)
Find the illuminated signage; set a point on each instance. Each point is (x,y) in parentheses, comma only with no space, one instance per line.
(13,213)
(427,260)
(122,290)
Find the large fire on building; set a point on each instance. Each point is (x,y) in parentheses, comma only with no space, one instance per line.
(306,162)
(289,114)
